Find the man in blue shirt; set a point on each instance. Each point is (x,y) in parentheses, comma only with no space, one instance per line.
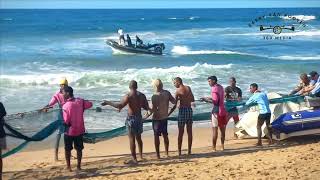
(261,99)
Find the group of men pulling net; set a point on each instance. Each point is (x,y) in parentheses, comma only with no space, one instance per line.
(38,125)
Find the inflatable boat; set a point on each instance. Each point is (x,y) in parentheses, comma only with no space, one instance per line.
(153,49)
(296,124)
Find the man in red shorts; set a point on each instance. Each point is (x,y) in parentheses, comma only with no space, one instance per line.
(219,114)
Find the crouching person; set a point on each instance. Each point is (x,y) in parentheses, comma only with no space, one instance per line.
(73,110)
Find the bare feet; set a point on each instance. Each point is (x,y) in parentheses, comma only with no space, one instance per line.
(79,168)
(69,169)
(259,144)
(222,147)
(214,149)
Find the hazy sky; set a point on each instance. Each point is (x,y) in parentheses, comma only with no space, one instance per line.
(134,4)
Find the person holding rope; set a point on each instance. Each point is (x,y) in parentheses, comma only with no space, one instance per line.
(73,111)
(185,97)
(219,113)
(261,99)
(135,101)
(160,106)
(57,98)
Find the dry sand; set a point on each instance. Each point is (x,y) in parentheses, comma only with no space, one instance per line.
(297,158)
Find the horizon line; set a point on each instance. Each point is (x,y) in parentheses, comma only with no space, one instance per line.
(152,8)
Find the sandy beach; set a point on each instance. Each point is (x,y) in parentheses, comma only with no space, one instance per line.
(296,158)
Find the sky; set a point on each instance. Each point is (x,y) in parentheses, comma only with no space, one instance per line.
(145,4)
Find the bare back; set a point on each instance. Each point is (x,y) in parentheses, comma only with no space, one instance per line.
(160,104)
(185,96)
(136,101)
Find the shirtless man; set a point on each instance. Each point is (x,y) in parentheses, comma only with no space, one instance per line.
(160,106)
(136,100)
(185,97)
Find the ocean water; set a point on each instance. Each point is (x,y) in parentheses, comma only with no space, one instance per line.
(38,47)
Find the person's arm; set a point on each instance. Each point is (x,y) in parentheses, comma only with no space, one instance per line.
(171,98)
(251,100)
(66,116)
(153,109)
(145,103)
(296,89)
(239,95)
(53,101)
(87,104)
(191,94)
(307,89)
(206,99)
(120,105)
(215,99)
(3,112)
(175,104)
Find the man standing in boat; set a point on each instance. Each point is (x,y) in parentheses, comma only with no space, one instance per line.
(121,37)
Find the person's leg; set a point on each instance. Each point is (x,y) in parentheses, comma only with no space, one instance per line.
(223,135)
(155,127)
(190,137)
(78,144)
(132,146)
(236,119)
(214,123)
(180,137)
(1,164)
(79,158)
(269,129)
(140,144)
(166,143)
(68,147)
(259,131)
(157,145)
(56,149)
(68,157)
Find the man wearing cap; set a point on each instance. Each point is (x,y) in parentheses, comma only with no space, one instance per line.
(219,113)
(58,98)
(313,88)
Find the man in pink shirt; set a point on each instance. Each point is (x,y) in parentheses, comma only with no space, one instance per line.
(57,98)
(73,110)
(219,113)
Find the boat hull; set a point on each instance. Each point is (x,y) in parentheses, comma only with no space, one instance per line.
(297,121)
(131,50)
